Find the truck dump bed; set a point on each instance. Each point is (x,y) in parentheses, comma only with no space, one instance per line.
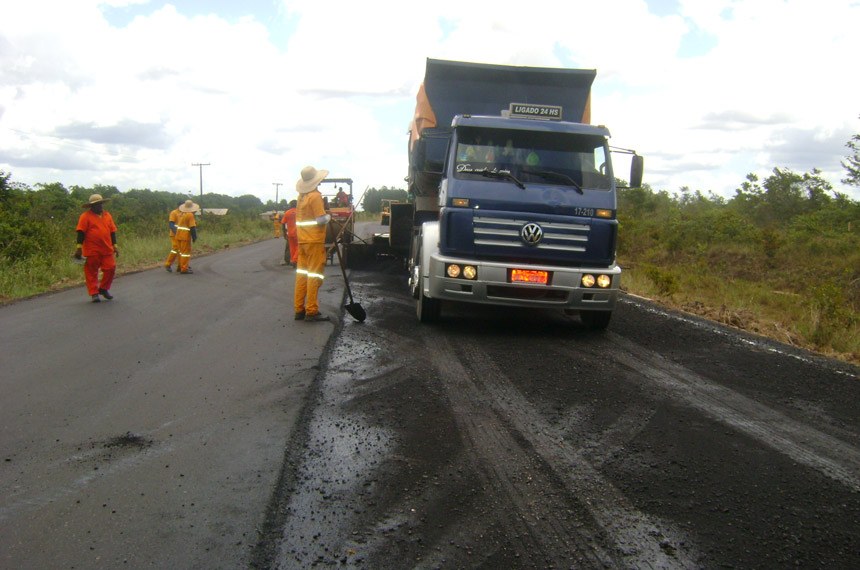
(459,88)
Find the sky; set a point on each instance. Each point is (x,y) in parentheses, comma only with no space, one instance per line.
(134,93)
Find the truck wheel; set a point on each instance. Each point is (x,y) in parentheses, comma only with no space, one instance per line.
(428,310)
(595,320)
(414,281)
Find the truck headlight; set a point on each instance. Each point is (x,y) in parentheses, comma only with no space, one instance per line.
(588,280)
(604,281)
(455,271)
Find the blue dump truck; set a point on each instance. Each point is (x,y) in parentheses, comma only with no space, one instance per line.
(513,195)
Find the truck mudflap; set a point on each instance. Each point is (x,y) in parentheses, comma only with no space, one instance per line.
(496,284)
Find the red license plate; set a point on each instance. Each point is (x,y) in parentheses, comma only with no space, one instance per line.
(529,276)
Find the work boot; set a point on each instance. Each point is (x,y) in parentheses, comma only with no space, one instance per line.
(96,298)
(315,318)
(106,294)
(186,271)
(300,316)
(168,268)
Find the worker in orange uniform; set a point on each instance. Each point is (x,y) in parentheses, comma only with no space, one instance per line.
(174,247)
(311,221)
(96,239)
(276,224)
(186,232)
(291,251)
(342,198)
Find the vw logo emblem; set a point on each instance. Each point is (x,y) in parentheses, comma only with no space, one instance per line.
(531,233)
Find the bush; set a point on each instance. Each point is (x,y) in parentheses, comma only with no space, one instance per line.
(664,279)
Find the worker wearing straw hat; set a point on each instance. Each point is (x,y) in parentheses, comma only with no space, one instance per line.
(311,221)
(96,239)
(186,232)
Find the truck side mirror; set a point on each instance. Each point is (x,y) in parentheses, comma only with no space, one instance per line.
(418,152)
(637,169)
(423,163)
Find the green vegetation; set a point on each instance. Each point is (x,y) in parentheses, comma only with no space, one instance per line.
(372,201)
(780,258)
(37,231)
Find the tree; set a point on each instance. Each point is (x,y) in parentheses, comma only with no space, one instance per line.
(782,196)
(6,190)
(372,201)
(852,163)
(49,201)
(247,203)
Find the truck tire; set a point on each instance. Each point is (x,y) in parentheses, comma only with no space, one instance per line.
(427,310)
(595,320)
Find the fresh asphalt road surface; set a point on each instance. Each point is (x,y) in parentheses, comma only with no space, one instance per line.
(519,439)
(192,423)
(149,431)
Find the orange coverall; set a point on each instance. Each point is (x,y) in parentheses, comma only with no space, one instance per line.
(311,259)
(289,220)
(174,245)
(98,249)
(183,238)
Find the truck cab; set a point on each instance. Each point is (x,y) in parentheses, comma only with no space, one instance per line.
(505,173)
(516,208)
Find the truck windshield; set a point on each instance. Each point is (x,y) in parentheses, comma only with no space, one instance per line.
(578,161)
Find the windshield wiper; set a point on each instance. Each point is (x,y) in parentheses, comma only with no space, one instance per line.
(501,174)
(556,175)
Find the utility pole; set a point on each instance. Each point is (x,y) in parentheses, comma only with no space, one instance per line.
(201,165)
(276,185)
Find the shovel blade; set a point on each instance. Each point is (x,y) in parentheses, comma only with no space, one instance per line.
(357,311)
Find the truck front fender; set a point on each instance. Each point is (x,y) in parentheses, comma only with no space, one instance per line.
(426,243)
(429,246)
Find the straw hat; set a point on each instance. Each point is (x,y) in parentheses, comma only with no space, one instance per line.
(311,178)
(189,206)
(95,199)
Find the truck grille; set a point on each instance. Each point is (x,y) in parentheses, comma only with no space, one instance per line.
(499,232)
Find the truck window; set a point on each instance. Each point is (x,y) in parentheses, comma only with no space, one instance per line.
(534,157)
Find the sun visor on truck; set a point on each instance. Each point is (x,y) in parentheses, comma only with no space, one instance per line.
(459,88)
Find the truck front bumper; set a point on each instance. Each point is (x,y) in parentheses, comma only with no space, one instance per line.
(492,285)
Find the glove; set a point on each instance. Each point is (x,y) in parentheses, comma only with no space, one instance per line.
(115,251)
(323,220)
(78,254)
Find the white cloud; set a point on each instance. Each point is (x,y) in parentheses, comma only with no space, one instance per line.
(332,84)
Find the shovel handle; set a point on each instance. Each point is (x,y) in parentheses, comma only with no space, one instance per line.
(343,271)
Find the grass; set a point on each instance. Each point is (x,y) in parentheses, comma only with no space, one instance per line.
(785,294)
(39,274)
(817,318)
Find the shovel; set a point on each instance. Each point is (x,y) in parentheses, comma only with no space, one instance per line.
(356,310)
